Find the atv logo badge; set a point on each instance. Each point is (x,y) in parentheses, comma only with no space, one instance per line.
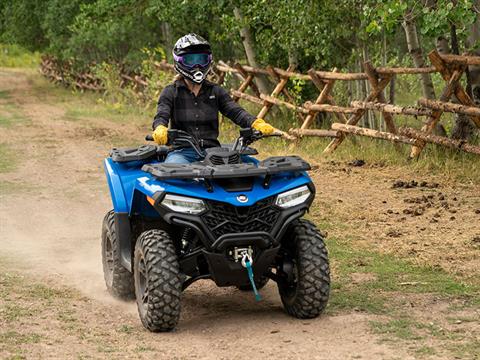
(242,198)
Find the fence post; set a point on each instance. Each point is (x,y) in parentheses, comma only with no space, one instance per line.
(452,84)
(278,89)
(353,120)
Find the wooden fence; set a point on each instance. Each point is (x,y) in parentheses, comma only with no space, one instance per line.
(450,67)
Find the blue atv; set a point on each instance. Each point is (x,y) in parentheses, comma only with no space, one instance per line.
(229,217)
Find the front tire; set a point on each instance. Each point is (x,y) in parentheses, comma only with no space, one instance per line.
(305,293)
(158,284)
(119,280)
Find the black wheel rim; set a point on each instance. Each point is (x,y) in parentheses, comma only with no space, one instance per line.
(108,258)
(289,288)
(292,285)
(142,298)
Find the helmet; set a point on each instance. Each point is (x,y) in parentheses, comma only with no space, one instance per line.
(192,57)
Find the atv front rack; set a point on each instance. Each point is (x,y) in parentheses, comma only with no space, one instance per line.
(150,152)
(139,153)
(270,166)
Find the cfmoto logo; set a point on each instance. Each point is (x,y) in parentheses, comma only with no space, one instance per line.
(242,198)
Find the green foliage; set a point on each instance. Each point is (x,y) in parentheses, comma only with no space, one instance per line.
(16,56)
(121,97)
(112,30)
(437,20)
(320,34)
(57,25)
(433,21)
(20,23)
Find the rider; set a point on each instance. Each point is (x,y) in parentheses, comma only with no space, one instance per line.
(192,103)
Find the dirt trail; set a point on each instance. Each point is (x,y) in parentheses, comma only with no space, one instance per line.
(51,230)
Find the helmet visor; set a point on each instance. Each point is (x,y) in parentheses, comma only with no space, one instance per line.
(196,59)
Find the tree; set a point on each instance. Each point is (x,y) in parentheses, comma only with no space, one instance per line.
(21,23)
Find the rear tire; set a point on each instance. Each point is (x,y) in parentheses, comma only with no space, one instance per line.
(158,282)
(118,279)
(306,295)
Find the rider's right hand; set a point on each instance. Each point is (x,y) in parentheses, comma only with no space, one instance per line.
(160,135)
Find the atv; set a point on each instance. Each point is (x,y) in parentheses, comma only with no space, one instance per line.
(229,217)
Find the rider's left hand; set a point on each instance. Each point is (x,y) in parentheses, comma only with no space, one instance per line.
(262,126)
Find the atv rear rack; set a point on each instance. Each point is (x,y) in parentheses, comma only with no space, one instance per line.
(270,166)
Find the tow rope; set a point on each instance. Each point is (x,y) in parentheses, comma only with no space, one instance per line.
(247,263)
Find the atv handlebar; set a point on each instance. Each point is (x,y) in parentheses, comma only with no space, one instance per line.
(180,137)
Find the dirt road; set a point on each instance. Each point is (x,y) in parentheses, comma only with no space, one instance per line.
(52,201)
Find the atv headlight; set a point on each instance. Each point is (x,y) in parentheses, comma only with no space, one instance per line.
(183,204)
(293,197)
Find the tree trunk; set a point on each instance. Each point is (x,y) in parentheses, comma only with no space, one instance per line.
(392,90)
(463,127)
(474,70)
(247,42)
(168,38)
(417,55)
(415,51)
(364,90)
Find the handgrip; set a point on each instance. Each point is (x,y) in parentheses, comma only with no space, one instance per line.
(149,138)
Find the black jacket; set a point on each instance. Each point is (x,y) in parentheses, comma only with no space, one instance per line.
(198,115)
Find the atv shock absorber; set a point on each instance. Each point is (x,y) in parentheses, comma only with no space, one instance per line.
(186,239)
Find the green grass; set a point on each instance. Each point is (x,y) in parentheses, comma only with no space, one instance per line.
(425,351)
(7,161)
(461,343)
(7,186)
(127,329)
(143,348)
(15,56)
(10,114)
(388,276)
(14,312)
(5,94)
(466,350)
(83,109)
(402,328)
(15,338)
(392,273)
(84,106)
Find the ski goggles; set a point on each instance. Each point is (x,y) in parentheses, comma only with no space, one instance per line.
(194,59)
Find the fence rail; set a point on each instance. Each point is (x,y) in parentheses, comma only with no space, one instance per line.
(450,67)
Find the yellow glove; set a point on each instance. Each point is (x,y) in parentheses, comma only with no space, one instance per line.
(263,127)
(160,135)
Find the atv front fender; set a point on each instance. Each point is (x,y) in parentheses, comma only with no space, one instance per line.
(117,192)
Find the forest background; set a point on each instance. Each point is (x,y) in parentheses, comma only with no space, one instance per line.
(107,37)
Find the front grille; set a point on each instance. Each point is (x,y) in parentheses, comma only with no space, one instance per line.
(223,160)
(223,218)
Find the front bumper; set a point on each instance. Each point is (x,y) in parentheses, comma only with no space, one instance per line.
(225,271)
